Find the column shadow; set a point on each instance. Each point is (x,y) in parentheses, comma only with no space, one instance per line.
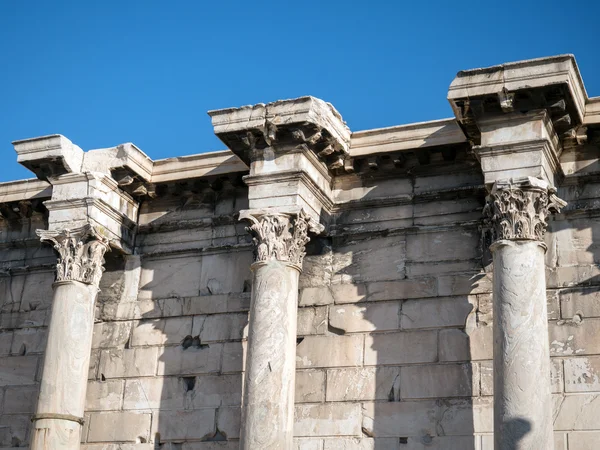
(427,389)
(183,359)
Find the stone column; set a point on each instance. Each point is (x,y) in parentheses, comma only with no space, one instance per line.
(58,419)
(268,403)
(516,214)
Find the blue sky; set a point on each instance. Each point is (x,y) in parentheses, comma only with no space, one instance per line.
(103,73)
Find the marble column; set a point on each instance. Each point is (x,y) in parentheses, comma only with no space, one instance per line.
(268,402)
(516,214)
(58,420)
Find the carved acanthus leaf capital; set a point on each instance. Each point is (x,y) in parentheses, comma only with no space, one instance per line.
(519,209)
(280,236)
(81,253)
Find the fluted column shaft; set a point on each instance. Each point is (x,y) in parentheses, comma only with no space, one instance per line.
(58,420)
(268,403)
(517,215)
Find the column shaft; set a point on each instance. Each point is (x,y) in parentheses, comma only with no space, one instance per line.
(522,400)
(58,420)
(516,215)
(59,417)
(268,417)
(268,404)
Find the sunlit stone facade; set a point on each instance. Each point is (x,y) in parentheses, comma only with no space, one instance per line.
(425,286)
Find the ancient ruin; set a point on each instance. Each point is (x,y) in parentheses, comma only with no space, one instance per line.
(424,286)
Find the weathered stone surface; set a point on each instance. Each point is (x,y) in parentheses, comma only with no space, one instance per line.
(123,426)
(161,331)
(521,354)
(310,386)
(104,395)
(224,273)
(329,351)
(577,412)
(128,363)
(18,370)
(368,383)
(435,313)
(183,425)
(457,345)
(584,302)
(583,441)
(405,347)
(173,393)
(403,289)
(219,327)
(449,245)
(312,321)
(439,381)
(399,419)
(315,296)
(5,342)
(180,361)
(170,277)
(328,419)
(111,334)
(372,260)
(487,377)
(573,338)
(229,421)
(367,317)
(463,417)
(14,430)
(464,284)
(393,334)
(233,357)
(20,399)
(582,374)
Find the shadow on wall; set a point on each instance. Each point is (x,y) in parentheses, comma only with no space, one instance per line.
(419,303)
(185,350)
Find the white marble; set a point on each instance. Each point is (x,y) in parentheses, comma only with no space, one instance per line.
(523,405)
(268,417)
(64,377)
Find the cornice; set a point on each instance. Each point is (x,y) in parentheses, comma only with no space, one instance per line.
(406,137)
(24,190)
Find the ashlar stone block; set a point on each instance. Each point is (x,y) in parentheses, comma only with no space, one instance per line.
(104,395)
(312,321)
(399,419)
(123,426)
(582,374)
(363,383)
(329,351)
(169,331)
(190,361)
(327,419)
(436,312)
(18,370)
(438,381)
(405,347)
(310,386)
(184,425)
(365,317)
(128,363)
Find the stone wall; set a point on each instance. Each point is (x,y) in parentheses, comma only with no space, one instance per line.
(26,276)
(395,346)
(394,325)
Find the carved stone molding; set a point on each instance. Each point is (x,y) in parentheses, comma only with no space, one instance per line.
(519,209)
(81,253)
(280,236)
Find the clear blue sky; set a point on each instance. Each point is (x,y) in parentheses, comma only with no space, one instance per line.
(107,72)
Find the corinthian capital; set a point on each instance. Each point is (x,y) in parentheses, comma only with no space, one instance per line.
(280,236)
(519,209)
(81,253)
